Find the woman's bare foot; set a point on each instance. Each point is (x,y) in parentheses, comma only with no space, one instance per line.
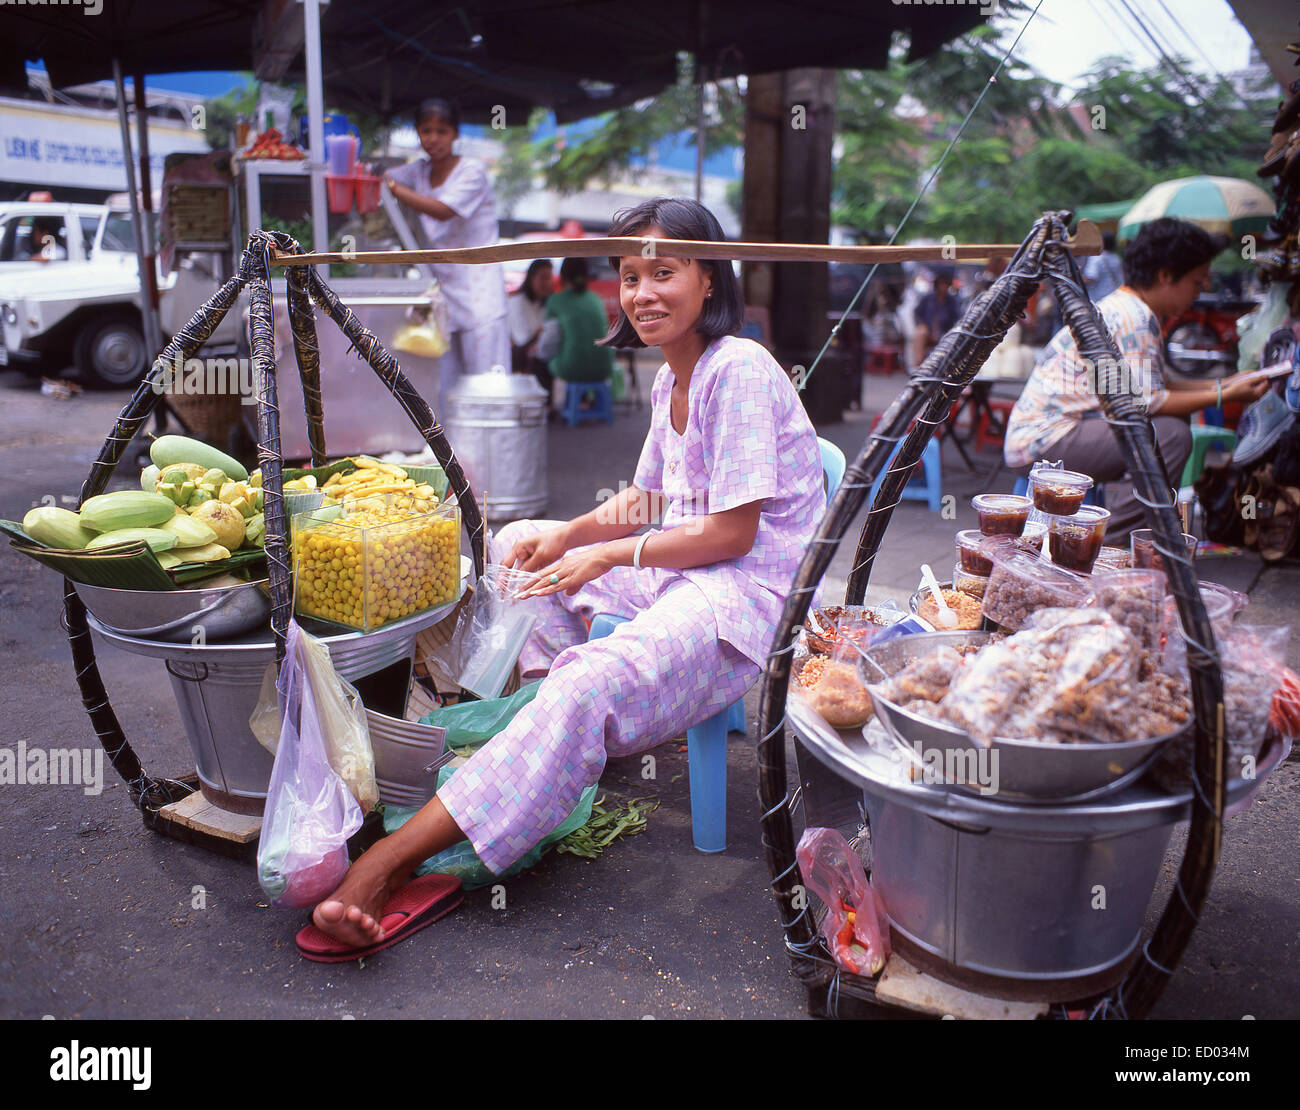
(351,914)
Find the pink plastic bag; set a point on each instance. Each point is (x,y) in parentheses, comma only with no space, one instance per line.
(302,855)
(856,928)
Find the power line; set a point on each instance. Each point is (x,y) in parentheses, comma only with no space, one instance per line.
(1197,47)
(1168,61)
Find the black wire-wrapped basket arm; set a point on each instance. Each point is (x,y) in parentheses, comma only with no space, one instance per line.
(304,287)
(912,417)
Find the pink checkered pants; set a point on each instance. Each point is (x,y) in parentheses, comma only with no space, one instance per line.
(646,683)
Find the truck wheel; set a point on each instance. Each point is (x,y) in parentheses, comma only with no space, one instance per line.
(110,351)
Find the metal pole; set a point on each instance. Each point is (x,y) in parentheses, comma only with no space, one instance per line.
(136,225)
(316,127)
(149,292)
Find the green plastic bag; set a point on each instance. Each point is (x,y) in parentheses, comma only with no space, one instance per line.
(473,722)
(468,724)
(462,861)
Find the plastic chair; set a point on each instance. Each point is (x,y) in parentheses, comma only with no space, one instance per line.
(706,743)
(603,409)
(983,434)
(1096,494)
(1203,437)
(833,465)
(929,488)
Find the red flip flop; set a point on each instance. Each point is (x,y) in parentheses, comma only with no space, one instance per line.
(417,904)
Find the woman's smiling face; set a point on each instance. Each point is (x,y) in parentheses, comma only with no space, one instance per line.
(662,297)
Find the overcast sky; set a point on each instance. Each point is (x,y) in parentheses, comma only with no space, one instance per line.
(1067,37)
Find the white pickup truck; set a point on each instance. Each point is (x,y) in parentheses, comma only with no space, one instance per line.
(70,292)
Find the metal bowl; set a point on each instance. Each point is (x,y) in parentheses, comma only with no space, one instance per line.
(175,616)
(1025,769)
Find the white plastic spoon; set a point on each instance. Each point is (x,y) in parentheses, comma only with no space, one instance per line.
(945,616)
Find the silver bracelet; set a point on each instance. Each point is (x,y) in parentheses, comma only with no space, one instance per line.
(636,554)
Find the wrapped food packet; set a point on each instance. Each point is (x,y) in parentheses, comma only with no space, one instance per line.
(1253,662)
(1136,599)
(1072,673)
(1022,583)
(832,688)
(856,927)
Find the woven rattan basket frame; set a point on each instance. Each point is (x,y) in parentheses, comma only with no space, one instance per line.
(304,288)
(921,406)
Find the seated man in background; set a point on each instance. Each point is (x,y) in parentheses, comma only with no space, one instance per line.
(937,312)
(582,320)
(1058,415)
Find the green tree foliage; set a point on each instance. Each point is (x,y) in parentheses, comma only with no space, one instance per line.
(630,134)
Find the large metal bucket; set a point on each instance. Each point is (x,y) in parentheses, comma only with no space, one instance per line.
(1042,908)
(498,422)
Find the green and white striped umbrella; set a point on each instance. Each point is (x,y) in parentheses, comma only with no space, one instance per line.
(1226,205)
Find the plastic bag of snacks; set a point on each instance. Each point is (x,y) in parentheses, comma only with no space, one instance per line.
(310,812)
(1253,662)
(856,927)
(493,629)
(831,686)
(1069,675)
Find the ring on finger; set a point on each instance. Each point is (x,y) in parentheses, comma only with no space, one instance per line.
(555,579)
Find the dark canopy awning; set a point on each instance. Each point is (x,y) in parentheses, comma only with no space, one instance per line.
(578,57)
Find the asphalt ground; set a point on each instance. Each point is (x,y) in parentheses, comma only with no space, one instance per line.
(105,919)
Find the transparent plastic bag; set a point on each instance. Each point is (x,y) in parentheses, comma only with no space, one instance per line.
(856,927)
(1253,662)
(1254,328)
(831,686)
(303,852)
(1069,675)
(493,629)
(344,727)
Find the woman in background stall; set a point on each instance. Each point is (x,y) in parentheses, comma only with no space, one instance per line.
(527,314)
(453,196)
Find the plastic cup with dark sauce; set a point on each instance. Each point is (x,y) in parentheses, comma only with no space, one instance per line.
(1142,544)
(1001,514)
(1059,492)
(970,554)
(1075,541)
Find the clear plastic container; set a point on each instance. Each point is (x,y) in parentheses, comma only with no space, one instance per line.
(1075,541)
(973,585)
(1001,514)
(365,565)
(971,554)
(1221,603)
(1112,558)
(1135,598)
(1058,492)
(1142,545)
(1022,583)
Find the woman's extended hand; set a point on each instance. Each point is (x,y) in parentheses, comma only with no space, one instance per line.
(570,574)
(391,182)
(541,550)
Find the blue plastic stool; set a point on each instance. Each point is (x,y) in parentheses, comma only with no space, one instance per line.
(706,745)
(930,489)
(1096,494)
(603,409)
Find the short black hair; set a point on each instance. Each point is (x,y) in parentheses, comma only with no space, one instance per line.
(534,267)
(679,218)
(574,272)
(440,107)
(1167,244)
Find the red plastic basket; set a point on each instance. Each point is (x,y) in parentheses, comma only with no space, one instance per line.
(340,191)
(367,192)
